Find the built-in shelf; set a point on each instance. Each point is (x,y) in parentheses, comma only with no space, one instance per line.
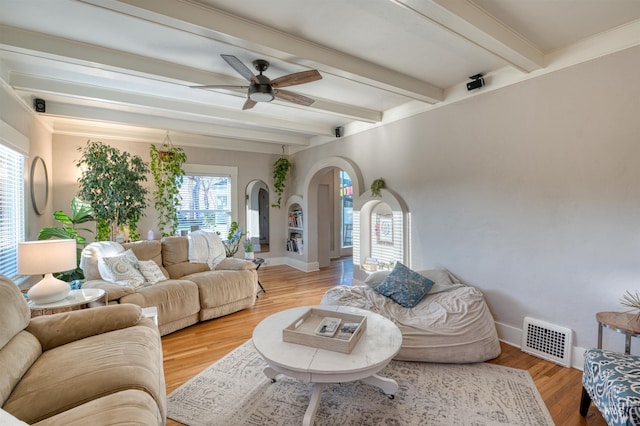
(295,230)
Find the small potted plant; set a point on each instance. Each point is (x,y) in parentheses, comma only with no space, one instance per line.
(248,248)
(377,186)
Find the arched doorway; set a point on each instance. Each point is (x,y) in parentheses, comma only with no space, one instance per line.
(323,212)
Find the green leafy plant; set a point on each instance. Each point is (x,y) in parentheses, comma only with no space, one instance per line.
(111,183)
(81,212)
(248,245)
(376,187)
(168,175)
(280,169)
(232,243)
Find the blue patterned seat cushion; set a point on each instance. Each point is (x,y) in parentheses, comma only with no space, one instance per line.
(404,286)
(612,380)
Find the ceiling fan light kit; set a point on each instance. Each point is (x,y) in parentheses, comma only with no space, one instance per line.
(261,93)
(262,87)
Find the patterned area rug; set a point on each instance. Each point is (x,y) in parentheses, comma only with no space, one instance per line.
(235,391)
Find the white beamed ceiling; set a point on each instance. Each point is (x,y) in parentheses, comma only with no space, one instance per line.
(122,69)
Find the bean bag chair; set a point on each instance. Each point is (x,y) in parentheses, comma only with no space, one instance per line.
(450,324)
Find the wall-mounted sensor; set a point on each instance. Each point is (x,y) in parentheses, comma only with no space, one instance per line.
(477,82)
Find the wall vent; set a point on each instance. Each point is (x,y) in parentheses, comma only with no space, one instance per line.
(547,341)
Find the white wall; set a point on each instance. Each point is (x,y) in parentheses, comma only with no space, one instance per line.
(250,166)
(23,121)
(531,192)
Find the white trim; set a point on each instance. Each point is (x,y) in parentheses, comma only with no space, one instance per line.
(13,139)
(212,170)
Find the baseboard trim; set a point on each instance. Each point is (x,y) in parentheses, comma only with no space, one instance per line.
(300,265)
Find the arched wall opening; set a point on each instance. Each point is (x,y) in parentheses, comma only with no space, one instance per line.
(381,233)
(380,224)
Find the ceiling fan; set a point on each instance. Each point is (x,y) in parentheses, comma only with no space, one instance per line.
(262,88)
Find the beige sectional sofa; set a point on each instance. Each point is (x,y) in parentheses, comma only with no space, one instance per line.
(192,293)
(99,366)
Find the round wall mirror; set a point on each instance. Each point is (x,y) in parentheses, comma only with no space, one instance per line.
(257,198)
(39,182)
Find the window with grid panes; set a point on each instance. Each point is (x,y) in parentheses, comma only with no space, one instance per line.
(206,202)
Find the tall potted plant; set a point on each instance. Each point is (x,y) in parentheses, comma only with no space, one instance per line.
(111,182)
(166,168)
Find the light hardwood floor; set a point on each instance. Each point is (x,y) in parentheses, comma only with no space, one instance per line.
(189,351)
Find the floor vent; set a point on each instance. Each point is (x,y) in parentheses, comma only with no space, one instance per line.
(547,341)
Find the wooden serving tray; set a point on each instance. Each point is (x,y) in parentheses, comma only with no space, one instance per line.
(302,330)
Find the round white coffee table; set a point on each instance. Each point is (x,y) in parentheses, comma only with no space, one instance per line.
(379,343)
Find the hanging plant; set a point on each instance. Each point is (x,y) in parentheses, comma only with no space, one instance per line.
(376,187)
(280,169)
(168,175)
(111,183)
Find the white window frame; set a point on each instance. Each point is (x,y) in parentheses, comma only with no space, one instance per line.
(16,141)
(212,170)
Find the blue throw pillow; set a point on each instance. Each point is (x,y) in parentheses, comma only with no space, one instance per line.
(404,286)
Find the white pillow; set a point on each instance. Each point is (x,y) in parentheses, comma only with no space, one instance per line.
(95,251)
(124,269)
(151,271)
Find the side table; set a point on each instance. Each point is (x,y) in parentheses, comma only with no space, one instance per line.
(78,299)
(621,322)
(151,312)
(258,262)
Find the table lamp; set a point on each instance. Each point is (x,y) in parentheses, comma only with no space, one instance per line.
(46,257)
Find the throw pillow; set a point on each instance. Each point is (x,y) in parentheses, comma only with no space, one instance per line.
(442,278)
(376,278)
(94,252)
(151,271)
(404,286)
(125,270)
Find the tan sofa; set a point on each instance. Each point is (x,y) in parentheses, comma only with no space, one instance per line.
(193,293)
(98,366)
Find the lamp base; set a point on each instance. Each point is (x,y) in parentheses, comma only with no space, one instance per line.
(49,290)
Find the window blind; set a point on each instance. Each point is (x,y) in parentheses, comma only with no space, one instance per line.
(205,203)
(11,209)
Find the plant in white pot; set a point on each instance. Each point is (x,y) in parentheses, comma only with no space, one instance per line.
(248,248)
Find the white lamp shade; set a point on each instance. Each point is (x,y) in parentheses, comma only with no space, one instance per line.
(46,257)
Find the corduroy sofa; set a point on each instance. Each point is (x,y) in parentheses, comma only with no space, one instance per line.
(98,366)
(192,293)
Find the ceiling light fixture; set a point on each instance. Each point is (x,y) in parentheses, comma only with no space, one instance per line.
(261,93)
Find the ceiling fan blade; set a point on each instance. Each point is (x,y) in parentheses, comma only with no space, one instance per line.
(296,78)
(296,98)
(219,86)
(249,104)
(240,68)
